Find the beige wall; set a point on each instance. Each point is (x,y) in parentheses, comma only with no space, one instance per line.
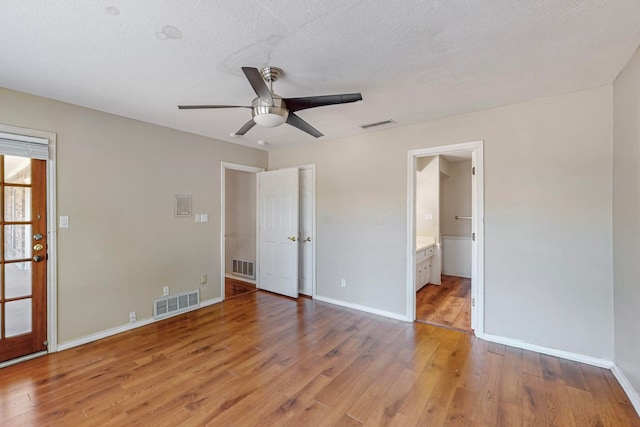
(626,220)
(116,181)
(427,196)
(548,249)
(455,199)
(548,238)
(240,216)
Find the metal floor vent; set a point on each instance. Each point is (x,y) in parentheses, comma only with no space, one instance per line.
(173,304)
(244,268)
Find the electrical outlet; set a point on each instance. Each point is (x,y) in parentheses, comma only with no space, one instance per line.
(132,317)
(203,279)
(165,291)
(343,283)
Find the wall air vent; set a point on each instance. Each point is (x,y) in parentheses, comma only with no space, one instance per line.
(372,125)
(244,268)
(174,304)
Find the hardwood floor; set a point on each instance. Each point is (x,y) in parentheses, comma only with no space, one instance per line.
(448,304)
(262,359)
(234,287)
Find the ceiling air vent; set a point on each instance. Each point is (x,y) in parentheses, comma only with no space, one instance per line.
(372,125)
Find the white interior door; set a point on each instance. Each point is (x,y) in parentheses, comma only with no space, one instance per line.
(305,265)
(278,231)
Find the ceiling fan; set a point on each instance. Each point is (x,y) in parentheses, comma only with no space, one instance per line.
(271,110)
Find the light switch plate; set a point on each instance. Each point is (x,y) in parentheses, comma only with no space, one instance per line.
(202,217)
(64,222)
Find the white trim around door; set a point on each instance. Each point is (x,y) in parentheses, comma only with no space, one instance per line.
(477,256)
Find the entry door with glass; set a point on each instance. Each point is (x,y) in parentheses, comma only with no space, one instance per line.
(23,270)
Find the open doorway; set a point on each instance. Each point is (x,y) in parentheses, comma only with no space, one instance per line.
(445,235)
(240,231)
(238,228)
(443,240)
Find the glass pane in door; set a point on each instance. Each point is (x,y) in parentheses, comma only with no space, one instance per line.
(17,241)
(17,204)
(18,317)
(17,170)
(17,276)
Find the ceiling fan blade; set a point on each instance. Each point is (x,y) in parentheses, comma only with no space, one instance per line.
(247,126)
(296,121)
(196,107)
(297,104)
(258,84)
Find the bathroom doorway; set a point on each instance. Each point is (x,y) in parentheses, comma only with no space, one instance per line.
(444,235)
(443,240)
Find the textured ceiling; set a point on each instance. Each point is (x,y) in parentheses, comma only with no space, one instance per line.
(412,60)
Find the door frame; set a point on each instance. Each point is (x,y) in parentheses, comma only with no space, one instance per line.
(312,168)
(28,135)
(477,207)
(223,169)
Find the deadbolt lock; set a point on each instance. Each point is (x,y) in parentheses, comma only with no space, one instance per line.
(37,236)
(38,247)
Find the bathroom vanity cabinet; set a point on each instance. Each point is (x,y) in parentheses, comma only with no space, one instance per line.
(424,256)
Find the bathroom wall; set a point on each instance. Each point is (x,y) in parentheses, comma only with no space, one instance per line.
(455,199)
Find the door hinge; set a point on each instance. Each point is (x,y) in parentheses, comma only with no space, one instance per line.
(473,170)
(473,302)
(473,236)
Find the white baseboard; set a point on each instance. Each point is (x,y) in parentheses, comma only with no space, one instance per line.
(129,326)
(240,278)
(362,308)
(576,357)
(209,302)
(632,393)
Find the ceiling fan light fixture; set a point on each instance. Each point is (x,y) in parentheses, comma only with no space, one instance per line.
(269,120)
(269,116)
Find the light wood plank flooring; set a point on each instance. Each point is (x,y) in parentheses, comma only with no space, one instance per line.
(448,304)
(265,360)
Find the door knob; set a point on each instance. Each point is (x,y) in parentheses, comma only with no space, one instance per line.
(37,236)
(38,258)
(38,247)
(308,239)
(293,238)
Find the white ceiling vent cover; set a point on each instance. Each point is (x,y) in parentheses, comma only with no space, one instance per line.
(175,304)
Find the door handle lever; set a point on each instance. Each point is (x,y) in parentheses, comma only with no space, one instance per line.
(293,238)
